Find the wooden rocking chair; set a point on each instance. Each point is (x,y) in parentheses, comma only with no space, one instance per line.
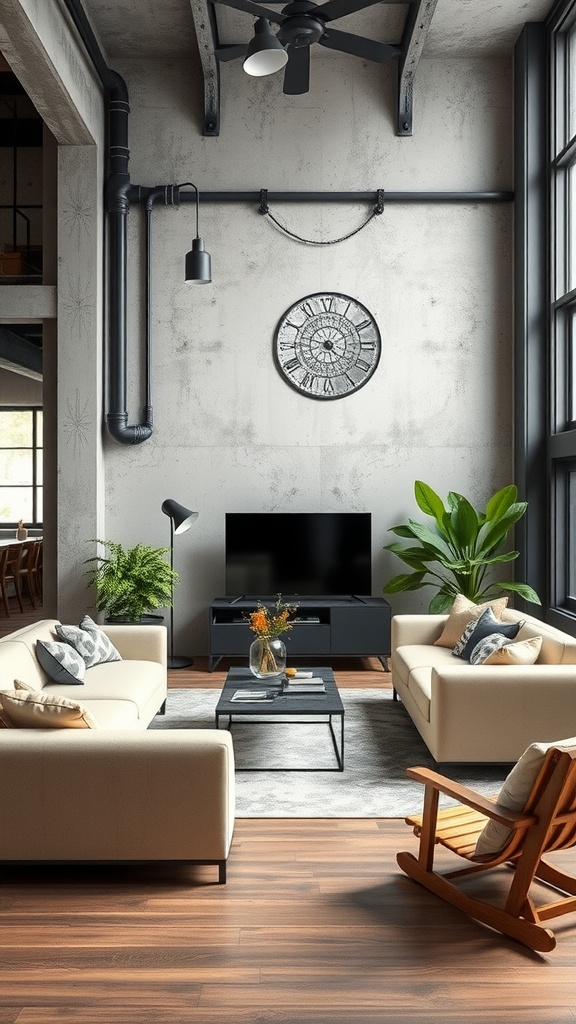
(547,822)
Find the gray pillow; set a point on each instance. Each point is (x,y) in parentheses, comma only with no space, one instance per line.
(61,662)
(89,641)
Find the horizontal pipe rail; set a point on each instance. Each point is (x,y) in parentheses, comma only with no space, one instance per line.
(139,194)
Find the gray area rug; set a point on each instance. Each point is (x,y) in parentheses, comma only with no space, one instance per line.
(380,743)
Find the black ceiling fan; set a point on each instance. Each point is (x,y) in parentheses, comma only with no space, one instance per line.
(302,23)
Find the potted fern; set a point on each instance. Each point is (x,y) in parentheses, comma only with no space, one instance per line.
(131,582)
(457,553)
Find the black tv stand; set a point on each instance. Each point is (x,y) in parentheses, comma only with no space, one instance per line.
(333,627)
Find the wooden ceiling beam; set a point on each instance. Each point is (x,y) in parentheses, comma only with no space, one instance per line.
(416,28)
(208,42)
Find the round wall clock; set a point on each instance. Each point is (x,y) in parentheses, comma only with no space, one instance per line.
(327,345)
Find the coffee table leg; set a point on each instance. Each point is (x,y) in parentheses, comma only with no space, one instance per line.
(339,752)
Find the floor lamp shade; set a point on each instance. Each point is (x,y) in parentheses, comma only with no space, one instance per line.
(181,519)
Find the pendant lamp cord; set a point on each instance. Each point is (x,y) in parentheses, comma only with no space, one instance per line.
(264,209)
(192,185)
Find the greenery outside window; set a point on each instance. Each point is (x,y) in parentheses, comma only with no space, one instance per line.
(21,466)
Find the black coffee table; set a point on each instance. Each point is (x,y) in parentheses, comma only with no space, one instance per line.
(291,706)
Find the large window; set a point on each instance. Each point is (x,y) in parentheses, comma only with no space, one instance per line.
(562,305)
(20,466)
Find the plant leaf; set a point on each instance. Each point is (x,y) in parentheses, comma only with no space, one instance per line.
(430,502)
(500,502)
(401,531)
(523,590)
(465,526)
(406,581)
(440,603)
(430,539)
(493,533)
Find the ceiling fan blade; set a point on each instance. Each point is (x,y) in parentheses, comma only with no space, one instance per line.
(297,73)
(340,8)
(231,52)
(255,9)
(358,46)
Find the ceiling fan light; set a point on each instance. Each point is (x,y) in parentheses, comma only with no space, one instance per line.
(265,54)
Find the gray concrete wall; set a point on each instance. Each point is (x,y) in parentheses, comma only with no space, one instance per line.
(229,433)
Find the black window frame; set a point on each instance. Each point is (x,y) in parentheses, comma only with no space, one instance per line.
(37,451)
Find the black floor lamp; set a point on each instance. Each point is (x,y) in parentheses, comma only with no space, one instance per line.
(181,519)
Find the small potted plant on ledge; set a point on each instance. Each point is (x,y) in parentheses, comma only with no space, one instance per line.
(456,555)
(131,582)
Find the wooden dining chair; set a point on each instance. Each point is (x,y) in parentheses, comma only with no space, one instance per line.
(11,575)
(4,581)
(29,569)
(546,823)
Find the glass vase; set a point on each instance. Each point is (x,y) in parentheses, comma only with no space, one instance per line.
(267,658)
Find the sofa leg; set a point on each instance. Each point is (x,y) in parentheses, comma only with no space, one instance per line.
(162,710)
(222,872)
(394,694)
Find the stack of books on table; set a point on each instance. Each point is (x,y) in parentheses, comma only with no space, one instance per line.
(303,683)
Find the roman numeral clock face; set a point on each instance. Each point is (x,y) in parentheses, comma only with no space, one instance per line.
(327,345)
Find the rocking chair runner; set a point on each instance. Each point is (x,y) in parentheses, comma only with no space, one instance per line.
(547,822)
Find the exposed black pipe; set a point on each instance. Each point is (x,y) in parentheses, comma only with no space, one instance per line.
(118,206)
(139,194)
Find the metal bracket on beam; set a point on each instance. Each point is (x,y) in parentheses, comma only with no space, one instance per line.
(207,36)
(413,38)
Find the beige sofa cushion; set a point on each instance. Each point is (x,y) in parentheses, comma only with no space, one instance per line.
(29,709)
(461,613)
(515,792)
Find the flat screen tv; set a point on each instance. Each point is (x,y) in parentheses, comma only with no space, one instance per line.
(298,553)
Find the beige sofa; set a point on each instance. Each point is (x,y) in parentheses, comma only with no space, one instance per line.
(116,792)
(485,713)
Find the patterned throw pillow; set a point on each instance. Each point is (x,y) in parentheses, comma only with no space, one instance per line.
(495,650)
(479,629)
(28,709)
(89,641)
(61,662)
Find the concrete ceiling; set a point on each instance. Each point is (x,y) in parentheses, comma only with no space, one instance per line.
(165,28)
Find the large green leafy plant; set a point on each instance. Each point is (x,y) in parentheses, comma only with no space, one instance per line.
(131,581)
(457,553)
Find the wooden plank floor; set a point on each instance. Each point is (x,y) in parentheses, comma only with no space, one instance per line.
(315,925)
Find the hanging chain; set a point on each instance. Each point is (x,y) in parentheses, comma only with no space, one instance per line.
(264,209)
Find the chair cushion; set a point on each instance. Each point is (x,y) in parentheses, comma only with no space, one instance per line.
(89,641)
(515,792)
(461,612)
(479,629)
(61,662)
(28,709)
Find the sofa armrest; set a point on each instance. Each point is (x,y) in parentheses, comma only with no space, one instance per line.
(139,643)
(416,629)
(493,712)
(116,794)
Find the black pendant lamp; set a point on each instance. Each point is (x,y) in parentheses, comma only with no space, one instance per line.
(198,262)
(265,54)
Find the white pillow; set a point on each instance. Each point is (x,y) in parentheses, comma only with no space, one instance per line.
(515,792)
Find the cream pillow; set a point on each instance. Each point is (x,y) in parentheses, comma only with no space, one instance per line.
(515,792)
(28,709)
(461,613)
(522,652)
